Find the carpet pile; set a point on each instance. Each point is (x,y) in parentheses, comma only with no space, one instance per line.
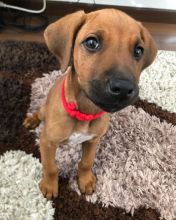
(136,159)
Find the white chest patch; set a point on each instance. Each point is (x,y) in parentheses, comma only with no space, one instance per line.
(78,138)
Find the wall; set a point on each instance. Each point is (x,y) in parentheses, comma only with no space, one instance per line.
(160,4)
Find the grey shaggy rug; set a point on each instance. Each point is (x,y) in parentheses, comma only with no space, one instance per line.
(135,163)
(136,160)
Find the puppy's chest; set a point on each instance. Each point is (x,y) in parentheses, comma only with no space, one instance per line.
(78,138)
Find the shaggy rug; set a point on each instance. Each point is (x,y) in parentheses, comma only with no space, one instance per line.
(136,159)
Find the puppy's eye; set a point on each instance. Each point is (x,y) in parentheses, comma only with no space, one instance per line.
(92,44)
(138,52)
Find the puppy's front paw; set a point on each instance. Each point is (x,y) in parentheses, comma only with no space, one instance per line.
(49,189)
(87,183)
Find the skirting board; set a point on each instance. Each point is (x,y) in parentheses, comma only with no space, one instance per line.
(141,14)
(59,9)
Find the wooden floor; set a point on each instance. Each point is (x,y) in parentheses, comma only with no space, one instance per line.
(164,34)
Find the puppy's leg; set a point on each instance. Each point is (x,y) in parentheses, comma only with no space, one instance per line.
(86,178)
(49,182)
(34,120)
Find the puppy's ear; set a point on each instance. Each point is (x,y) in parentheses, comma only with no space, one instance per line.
(60,35)
(150,47)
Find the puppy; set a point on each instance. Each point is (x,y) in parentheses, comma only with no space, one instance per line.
(102,54)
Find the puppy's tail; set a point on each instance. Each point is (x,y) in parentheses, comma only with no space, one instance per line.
(34,120)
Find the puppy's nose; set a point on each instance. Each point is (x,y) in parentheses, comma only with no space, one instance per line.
(121,87)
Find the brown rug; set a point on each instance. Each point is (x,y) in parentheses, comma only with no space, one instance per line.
(20,64)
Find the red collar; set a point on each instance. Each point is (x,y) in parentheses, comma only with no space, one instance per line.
(73,112)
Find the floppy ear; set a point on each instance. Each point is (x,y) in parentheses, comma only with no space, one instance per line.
(150,47)
(60,35)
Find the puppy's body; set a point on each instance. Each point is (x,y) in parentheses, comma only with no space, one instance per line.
(106,51)
(59,126)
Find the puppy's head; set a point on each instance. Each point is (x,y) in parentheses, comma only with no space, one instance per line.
(108,51)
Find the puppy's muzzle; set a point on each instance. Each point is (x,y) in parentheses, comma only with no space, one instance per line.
(117,92)
(122,88)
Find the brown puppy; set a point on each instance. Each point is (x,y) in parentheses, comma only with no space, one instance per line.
(103,54)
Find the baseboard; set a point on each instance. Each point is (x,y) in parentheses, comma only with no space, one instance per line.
(59,9)
(142,14)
